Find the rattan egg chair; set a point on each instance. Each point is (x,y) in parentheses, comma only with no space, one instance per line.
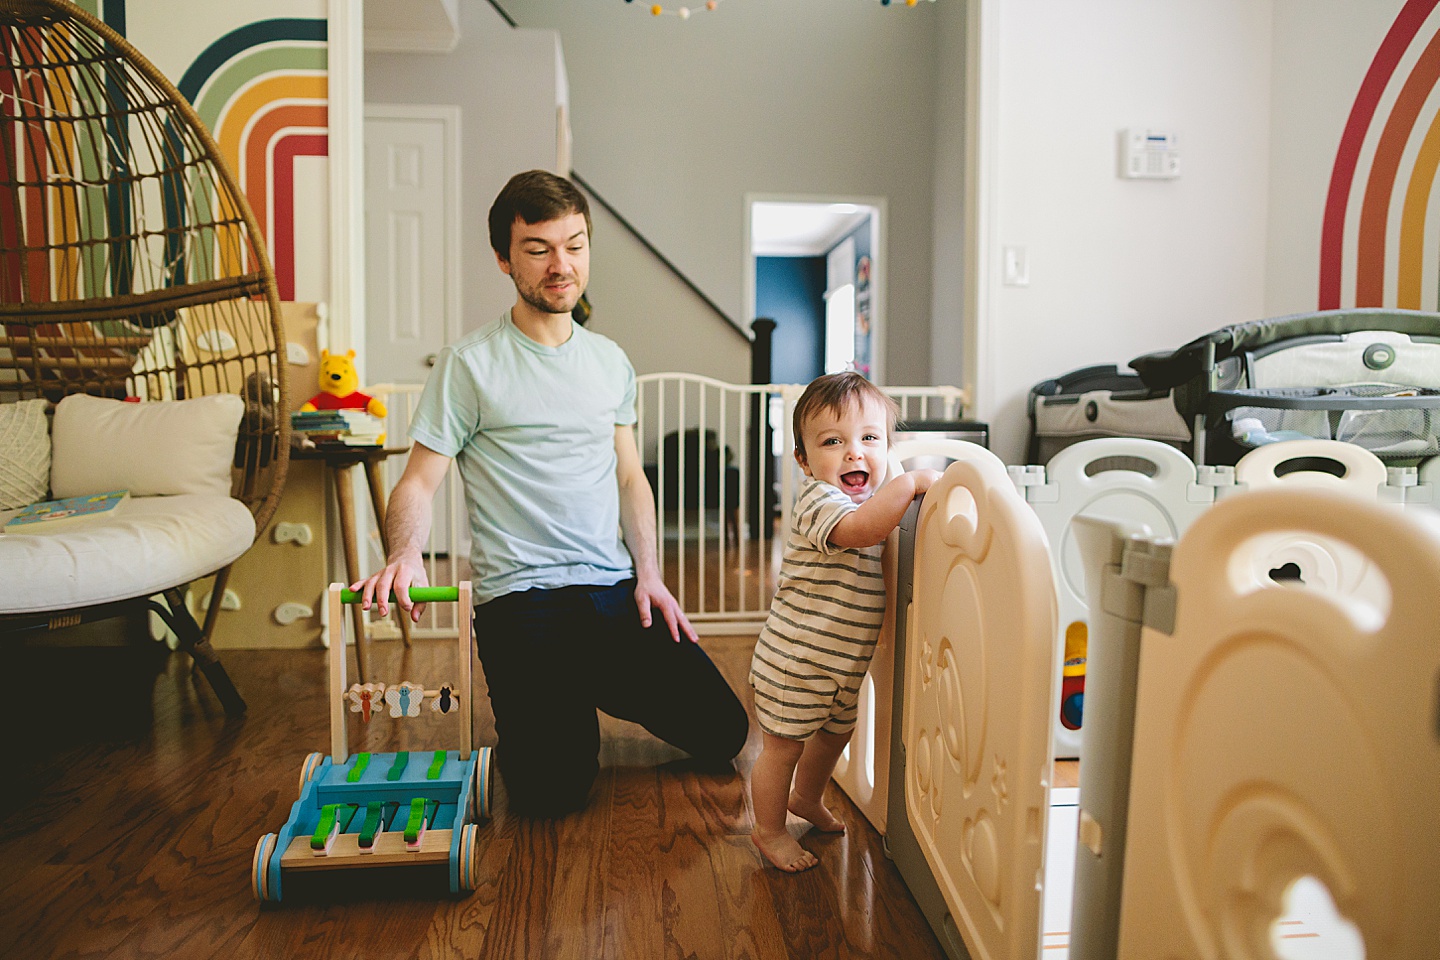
(130,262)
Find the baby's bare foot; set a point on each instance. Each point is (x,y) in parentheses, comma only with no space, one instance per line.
(784,852)
(816,812)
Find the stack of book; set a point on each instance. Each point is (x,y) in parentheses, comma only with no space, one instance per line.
(351,427)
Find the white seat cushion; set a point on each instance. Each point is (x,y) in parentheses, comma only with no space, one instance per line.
(146,545)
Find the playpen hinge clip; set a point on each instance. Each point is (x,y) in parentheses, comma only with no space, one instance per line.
(1146,563)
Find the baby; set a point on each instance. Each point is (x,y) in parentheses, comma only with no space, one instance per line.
(824,621)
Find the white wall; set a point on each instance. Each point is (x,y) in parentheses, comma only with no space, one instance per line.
(1321,53)
(1122,267)
(675,121)
(508,84)
(949,285)
(661,324)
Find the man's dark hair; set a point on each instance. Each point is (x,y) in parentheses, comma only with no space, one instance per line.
(834,392)
(533,196)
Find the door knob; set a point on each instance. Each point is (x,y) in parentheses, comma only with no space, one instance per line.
(430,359)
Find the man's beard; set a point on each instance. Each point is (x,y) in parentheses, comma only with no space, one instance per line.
(537,298)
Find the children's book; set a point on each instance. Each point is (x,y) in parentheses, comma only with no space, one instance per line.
(41,515)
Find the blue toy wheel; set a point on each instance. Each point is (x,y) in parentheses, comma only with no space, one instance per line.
(260,880)
(469,857)
(483,797)
(308,768)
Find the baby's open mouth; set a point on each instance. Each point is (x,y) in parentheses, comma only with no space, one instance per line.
(855,480)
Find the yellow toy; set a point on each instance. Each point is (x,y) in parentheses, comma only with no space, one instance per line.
(338,386)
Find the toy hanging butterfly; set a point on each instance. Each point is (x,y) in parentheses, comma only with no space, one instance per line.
(445,701)
(366,698)
(404,699)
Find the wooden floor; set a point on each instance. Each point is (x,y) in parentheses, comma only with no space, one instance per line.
(127,827)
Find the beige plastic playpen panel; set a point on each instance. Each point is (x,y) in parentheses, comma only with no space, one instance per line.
(1282,733)
(1320,562)
(864,770)
(977,733)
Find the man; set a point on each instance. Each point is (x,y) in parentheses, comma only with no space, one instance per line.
(539,413)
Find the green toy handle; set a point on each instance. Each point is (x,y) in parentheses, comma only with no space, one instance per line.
(417,595)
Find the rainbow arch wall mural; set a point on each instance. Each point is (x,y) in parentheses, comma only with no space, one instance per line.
(1380,237)
(263,92)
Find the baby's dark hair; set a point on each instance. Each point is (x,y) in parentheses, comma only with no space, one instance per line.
(534,196)
(834,392)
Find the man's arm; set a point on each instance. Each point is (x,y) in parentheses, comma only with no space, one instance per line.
(407,525)
(637,523)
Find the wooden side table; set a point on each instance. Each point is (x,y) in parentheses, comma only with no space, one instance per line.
(339,460)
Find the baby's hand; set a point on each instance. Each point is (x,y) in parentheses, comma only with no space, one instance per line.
(924,479)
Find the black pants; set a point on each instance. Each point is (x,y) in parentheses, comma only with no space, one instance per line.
(553,657)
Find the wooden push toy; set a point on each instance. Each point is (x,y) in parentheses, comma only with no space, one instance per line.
(385,809)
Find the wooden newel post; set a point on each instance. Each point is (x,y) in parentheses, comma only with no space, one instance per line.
(761,482)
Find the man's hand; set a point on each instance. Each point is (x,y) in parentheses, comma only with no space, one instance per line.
(400,574)
(652,595)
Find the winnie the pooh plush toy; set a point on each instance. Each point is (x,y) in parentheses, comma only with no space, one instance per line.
(338,383)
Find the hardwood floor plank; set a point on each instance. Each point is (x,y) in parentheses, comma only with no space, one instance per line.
(462,930)
(751,926)
(881,910)
(634,902)
(690,862)
(517,925)
(805,906)
(42,908)
(575,916)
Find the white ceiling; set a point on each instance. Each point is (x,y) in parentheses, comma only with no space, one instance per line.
(412,26)
(801,229)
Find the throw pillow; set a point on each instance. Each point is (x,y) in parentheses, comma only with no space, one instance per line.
(151,448)
(24,453)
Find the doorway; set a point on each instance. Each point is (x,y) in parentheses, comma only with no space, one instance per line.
(814,266)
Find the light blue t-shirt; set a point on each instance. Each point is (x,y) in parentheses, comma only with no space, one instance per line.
(533,431)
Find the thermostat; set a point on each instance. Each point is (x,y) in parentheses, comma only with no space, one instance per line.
(1149,154)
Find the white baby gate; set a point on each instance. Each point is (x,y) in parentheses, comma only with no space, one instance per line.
(718,456)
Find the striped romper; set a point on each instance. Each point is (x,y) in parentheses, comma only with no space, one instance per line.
(817,642)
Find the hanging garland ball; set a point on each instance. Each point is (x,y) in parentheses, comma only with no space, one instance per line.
(683,13)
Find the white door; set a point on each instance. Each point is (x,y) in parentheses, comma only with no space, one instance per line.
(1285,732)
(412,249)
(978,668)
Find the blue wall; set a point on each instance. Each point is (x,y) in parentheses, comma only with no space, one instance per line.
(791,291)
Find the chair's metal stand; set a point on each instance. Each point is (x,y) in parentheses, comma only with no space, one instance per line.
(196,642)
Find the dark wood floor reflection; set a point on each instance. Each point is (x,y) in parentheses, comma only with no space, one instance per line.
(128,823)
